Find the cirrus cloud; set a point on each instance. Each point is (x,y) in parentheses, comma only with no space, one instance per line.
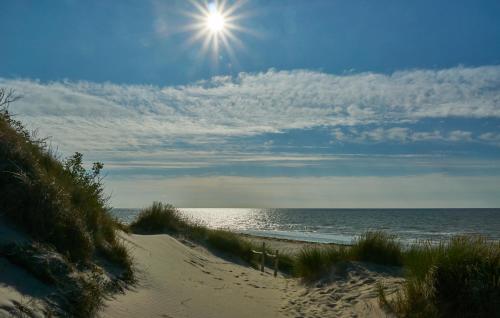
(113,115)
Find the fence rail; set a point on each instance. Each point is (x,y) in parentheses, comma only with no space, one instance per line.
(263,255)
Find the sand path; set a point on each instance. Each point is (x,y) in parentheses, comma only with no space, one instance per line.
(177,280)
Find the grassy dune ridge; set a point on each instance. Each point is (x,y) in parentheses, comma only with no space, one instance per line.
(55,201)
(457,278)
(62,207)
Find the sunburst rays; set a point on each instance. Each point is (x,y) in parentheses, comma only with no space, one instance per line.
(216,27)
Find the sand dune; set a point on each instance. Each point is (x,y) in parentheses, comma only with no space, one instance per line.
(179,279)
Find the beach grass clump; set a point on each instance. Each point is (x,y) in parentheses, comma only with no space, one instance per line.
(458,278)
(158,218)
(313,262)
(55,201)
(377,247)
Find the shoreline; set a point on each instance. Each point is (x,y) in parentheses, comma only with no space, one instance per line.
(287,246)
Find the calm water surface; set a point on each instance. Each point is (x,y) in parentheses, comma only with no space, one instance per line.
(343,225)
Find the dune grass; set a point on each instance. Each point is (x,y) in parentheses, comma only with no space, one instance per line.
(158,218)
(374,247)
(457,278)
(313,262)
(377,247)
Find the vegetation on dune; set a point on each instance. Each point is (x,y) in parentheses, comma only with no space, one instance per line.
(373,247)
(377,247)
(158,218)
(314,262)
(458,278)
(60,203)
(57,202)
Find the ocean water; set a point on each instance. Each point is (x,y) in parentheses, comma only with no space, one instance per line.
(344,225)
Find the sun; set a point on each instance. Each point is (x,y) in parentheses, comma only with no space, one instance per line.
(215,21)
(215,25)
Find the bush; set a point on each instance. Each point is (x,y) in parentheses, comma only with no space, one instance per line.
(377,247)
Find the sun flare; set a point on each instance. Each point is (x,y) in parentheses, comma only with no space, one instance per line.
(215,25)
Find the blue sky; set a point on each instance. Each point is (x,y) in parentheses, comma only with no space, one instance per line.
(316,103)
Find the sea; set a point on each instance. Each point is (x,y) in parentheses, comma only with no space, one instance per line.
(342,226)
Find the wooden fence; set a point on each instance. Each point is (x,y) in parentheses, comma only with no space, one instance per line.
(263,255)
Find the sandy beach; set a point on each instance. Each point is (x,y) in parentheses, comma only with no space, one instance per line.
(179,279)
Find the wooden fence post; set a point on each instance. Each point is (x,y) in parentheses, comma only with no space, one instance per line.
(276,257)
(263,256)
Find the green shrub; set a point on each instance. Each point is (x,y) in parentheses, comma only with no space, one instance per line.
(377,247)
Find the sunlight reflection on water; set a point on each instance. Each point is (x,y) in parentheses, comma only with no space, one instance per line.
(343,225)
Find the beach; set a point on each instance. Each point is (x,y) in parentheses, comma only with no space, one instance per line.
(177,278)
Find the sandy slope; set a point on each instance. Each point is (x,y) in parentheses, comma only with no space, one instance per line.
(183,280)
(18,289)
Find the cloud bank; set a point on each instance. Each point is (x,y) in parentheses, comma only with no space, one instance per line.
(107,116)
